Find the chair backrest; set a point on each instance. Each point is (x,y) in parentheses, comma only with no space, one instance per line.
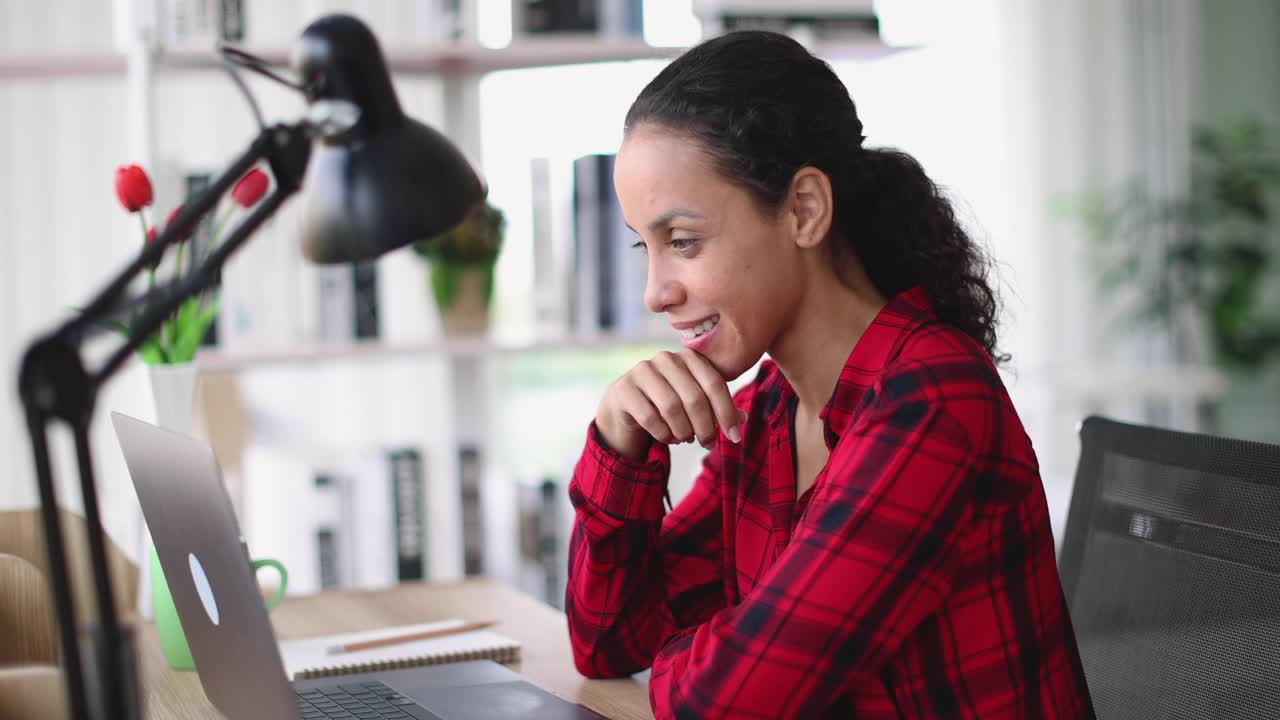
(22,535)
(33,691)
(28,622)
(1171,566)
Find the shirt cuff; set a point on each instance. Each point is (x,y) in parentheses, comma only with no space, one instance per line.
(623,488)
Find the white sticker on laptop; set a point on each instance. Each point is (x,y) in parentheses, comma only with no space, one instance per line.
(203,588)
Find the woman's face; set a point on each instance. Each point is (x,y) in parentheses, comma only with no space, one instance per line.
(727,275)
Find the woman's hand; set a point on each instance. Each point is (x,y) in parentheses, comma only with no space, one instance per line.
(672,398)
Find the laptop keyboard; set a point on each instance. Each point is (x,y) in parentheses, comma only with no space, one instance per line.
(365,701)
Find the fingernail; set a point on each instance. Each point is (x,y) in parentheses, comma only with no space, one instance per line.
(735,434)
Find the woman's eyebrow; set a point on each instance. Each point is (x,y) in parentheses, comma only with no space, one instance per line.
(665,218)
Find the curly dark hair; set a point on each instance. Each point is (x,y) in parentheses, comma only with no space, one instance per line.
(762,107)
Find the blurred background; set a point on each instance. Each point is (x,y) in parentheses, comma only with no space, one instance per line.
(386,422)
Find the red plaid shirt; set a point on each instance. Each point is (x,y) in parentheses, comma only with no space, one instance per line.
(916,578)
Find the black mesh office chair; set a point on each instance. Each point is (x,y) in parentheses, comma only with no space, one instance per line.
(1171,566)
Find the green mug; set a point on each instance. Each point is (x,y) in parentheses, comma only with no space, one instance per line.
(172,640)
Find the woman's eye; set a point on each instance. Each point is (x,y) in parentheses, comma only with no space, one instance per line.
(639,245)
(682,244)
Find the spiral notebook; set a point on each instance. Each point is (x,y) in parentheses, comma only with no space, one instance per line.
(308,657)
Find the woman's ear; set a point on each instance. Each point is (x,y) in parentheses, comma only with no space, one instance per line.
(809,206)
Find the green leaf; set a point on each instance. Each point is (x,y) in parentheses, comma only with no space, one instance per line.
(444,283)
(151,353)
(193,321)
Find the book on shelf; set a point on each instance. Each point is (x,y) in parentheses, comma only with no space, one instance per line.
(470,476)
(347,303)
(364,285)
(611,18)
(821,20)
(368,541)
(609,276)
(408,489)
(327,558)
(538,523)
(551,190)
(199,24)
(354,542)
(201,243)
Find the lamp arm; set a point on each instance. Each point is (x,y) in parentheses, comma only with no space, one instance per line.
(54,384)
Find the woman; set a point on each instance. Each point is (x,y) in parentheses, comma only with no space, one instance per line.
(868,536)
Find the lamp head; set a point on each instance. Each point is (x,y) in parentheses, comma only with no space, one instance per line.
(389,180)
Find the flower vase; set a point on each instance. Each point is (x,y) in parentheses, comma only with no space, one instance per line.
(173,389)
(462,293)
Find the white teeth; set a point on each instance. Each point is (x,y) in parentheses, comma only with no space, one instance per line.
(705,327)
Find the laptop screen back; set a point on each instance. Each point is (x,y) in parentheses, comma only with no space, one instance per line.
(197,539)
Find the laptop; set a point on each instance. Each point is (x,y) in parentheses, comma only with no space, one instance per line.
(197,538)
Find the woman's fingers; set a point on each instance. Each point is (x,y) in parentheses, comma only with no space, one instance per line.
(636,405)
(674,398)
(651,379)
(727,415)
(697,405)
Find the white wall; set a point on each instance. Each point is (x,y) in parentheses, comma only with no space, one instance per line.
(61,141)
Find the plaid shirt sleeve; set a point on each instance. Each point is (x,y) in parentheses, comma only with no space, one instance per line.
(635,576)
(873,556)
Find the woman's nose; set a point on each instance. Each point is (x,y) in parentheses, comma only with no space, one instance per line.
(661,291)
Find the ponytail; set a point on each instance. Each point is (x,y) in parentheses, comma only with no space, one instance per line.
(904,231)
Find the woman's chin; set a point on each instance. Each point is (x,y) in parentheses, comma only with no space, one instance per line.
(731,366)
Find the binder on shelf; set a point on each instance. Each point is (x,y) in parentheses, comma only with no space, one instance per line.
(200,244)
(327,556)
(367,540)
(364,285)
(354,542)
(200,24)
(470,475)
(408,487)
(609,277)
(348,302)
(612,18)
(551,188)
(540,17)
(549,541)
(538,530)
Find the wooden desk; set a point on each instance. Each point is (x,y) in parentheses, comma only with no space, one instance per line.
(546,659)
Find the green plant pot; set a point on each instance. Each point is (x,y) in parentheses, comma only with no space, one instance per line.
(172,640)
(463,293)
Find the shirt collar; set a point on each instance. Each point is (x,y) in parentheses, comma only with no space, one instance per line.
(877,346)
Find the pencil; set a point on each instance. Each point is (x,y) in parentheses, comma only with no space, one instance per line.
(409,637)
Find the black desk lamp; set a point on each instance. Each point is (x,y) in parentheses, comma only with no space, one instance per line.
(377,180)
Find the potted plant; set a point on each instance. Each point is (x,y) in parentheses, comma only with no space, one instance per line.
(169,354)
(461,263)
(1197,267)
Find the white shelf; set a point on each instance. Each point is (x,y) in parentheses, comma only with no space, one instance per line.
(231,362)
(450,60)
(466,58)
(61,65)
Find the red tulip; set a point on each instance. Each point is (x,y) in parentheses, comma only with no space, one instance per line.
(250,189)
(173,215)
(133,188)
